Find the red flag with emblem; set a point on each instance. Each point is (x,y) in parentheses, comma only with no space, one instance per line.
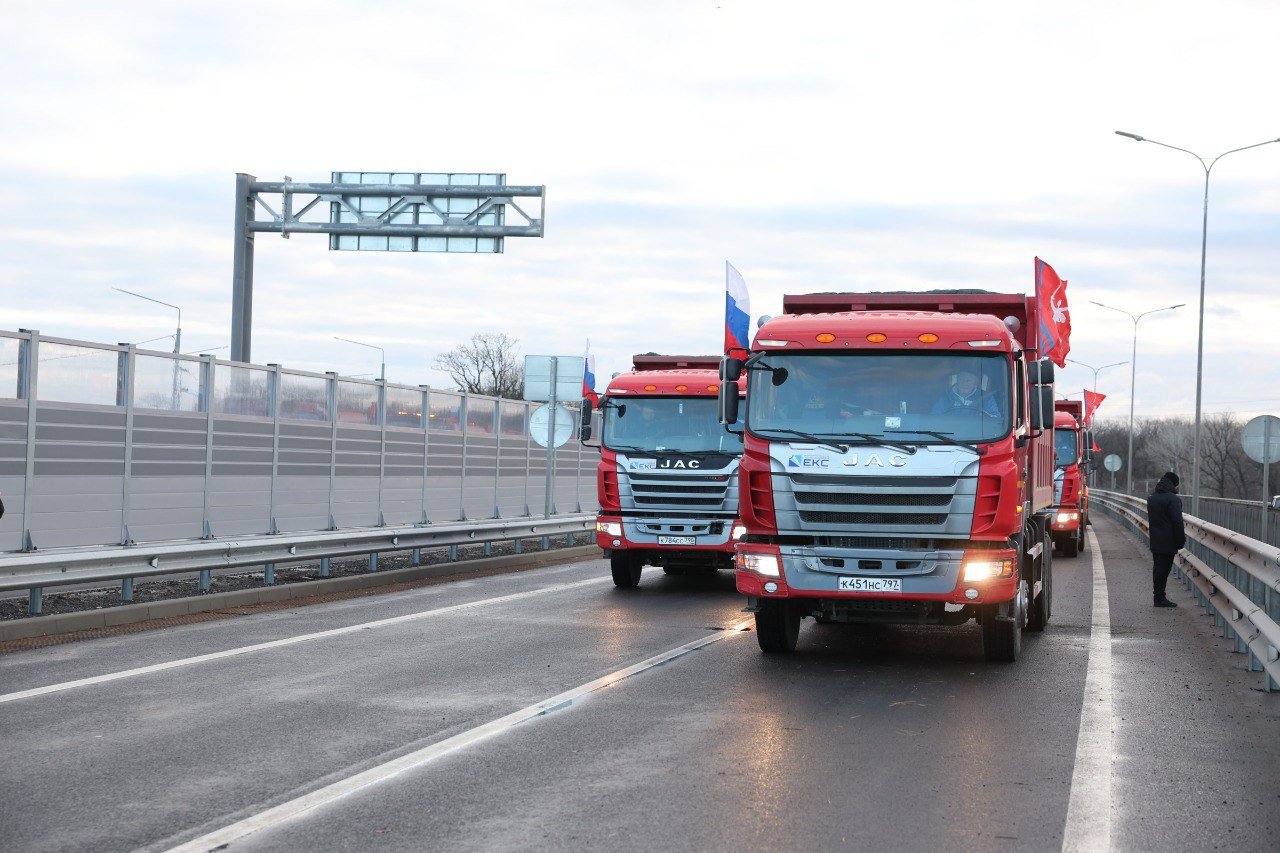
(1091,403)
(1055,315)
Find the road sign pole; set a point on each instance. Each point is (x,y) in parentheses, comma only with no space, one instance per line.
(242,270)
(547,506)
(1266,476)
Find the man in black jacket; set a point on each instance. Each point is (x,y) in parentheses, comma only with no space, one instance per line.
(1167,533)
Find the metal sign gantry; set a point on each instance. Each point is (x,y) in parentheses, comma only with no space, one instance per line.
(346,216)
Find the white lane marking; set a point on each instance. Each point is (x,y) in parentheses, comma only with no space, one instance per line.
(1088,826)
(353,784)
(289,641)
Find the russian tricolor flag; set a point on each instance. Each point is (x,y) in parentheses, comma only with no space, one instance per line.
(589,377)
(737,311)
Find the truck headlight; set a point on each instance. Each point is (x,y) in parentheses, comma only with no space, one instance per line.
(984,570)
(609,528)
(761,564)
(739,530)
(1064,517)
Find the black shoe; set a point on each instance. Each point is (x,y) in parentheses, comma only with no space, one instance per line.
(1164,602)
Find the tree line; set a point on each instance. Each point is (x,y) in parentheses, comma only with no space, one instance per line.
(1164,444)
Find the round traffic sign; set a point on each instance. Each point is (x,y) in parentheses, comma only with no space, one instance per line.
(1261,439)
(1112,462)
(540,425)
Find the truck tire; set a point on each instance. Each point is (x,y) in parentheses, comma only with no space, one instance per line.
(626,568)
(1002,636)
(1071,547)
(777,627)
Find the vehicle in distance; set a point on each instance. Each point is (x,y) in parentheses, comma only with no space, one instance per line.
(1071,450)
(666,478)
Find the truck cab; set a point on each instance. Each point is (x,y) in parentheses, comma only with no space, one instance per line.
(1071,450)
(667,476)
(897,466)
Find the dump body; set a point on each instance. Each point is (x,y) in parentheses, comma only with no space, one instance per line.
(921,467)
(1071,489)
(667,476)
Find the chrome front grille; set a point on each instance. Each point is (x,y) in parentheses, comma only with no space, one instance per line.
(679,493)
(915,506)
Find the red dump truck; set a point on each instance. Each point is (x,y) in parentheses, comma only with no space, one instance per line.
(667,477)
(1071,450)
(898,465)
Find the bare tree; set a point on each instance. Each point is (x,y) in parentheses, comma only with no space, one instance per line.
(487,364)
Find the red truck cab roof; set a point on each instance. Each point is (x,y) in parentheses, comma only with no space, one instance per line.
(1065,420)
(671,376)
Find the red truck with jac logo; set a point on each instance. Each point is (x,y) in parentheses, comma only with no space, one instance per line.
(1072,449)
(898,465)
(667,477)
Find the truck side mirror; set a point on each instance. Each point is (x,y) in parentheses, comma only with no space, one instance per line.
(730,369)
(584,416)
(1042,408)
(729,399)
(1040,372)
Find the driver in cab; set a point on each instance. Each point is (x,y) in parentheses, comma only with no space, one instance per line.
(964,395)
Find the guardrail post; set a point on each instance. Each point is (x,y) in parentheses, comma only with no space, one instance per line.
(332,384)
(206,398)
(124,397)
(35,601)
(546,543)
(29,376)
(488,549)
(274,397)
(206,577)
(415,556)
(464,410)
(426,448)
(126,589)
(324,567)
(453,553)
(269,574)
(373,561)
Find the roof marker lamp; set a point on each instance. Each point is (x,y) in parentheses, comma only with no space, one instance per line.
(928,338)
(825,338)
(877,338)
(651,387)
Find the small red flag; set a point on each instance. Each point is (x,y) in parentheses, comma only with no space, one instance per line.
(1091,403)
(1055,315)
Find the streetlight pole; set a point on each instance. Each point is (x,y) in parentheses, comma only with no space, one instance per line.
(1207,164)
(177,340)
(1133,376)
(1096,370)
(382,375)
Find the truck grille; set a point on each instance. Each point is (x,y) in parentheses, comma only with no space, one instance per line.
(850,505)
(912,518)
(680,493)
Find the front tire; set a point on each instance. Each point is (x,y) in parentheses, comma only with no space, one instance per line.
(1071,547)
(626,568)
(777,627)
(1002,635)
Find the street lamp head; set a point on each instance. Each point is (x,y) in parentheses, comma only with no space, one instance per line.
(1135,137)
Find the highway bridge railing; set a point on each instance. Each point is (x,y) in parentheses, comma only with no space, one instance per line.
(1234,577)
(36,570)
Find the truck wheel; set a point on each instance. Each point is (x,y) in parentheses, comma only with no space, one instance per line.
(777,627)
(1002,637)
(1070,547)
(1083,540)
(626,569)
(1042,605)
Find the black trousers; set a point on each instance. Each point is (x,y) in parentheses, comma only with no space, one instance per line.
(1161,565)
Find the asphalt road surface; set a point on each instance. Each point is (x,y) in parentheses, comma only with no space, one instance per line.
(547,710)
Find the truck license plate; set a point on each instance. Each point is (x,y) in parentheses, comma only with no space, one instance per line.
(677,540)
(870,585)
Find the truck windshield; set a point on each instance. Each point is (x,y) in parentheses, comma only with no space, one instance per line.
(900,397)
(1064,447)
(667,425)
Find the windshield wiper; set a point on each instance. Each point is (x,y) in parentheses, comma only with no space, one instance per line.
(944,437)
(630,447)
(870,438)
(839,448)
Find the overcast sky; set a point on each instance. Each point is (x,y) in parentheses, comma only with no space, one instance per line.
(818,146)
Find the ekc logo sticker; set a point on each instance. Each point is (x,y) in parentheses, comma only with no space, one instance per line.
(798,461)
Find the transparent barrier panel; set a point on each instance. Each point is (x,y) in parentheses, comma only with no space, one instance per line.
(304,398)
(446,412)
(241,391)
(404,407)
(357,402)
(10,358)
(172,384)
(72,374)
(480,415)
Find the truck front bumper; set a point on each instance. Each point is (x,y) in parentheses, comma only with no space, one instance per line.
(952,577)
(618,534)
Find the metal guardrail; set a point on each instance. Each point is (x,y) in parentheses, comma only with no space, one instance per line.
(38,569)
(1234,577)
